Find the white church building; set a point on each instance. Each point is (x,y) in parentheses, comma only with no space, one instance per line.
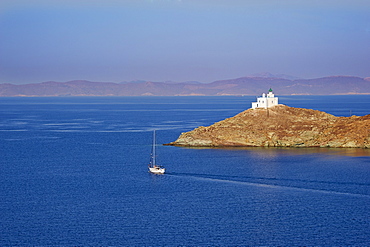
(266,101)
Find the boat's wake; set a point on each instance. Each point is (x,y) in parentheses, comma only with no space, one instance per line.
(239,180)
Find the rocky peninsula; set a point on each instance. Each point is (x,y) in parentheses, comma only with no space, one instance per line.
(281,126)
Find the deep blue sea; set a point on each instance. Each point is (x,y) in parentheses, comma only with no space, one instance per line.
(73,172)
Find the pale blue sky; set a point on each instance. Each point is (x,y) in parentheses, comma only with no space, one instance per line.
(185,40)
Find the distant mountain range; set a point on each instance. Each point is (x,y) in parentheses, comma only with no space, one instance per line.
(250,85)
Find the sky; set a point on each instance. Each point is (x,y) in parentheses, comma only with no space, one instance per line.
(181,40)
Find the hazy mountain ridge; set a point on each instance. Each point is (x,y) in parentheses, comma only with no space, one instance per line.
(249,85)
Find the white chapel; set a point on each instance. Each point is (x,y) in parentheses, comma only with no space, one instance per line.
(266,101)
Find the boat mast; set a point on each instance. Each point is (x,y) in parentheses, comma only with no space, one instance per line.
(154,148)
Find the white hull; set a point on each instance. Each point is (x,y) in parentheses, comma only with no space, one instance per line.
(157,170)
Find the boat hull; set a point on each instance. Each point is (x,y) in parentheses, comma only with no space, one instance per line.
(157,170)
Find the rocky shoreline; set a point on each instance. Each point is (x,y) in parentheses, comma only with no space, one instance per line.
(281,126)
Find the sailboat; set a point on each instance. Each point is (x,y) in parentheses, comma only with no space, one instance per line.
(153,167)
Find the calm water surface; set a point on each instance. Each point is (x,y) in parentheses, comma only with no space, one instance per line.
(73,171)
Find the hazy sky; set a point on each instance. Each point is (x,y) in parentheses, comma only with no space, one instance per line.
(181,40)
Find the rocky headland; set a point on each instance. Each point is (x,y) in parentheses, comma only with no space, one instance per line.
(281,126)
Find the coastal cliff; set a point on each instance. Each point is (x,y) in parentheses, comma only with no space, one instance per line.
(281,126)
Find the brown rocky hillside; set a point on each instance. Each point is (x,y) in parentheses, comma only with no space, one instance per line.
(282,126)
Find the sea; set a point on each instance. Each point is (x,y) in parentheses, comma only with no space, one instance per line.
(73,172)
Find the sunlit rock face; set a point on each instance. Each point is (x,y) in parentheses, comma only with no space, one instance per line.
(282,126)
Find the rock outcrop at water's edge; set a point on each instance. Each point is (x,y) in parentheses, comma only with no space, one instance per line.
(281,126)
